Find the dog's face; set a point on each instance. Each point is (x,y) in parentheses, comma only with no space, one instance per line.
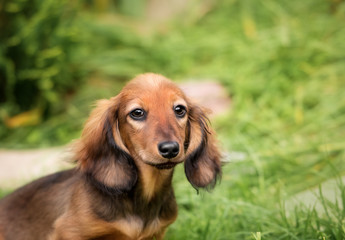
(151,123)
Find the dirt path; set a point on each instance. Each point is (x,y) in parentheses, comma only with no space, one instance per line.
(20,166)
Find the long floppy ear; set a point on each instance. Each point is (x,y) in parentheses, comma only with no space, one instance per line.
(202,165)
(101,154)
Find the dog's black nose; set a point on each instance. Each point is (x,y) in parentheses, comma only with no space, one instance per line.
(168,149)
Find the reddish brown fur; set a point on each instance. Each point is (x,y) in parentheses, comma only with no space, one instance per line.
(118,190)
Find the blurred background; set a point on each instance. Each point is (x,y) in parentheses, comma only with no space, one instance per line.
(282,129)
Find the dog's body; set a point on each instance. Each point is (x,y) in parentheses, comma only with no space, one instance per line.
(31,212)
(121,188)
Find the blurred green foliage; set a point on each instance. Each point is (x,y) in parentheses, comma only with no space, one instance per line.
(37,67)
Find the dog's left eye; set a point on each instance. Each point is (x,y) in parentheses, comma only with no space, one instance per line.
(138,114)
(180,111)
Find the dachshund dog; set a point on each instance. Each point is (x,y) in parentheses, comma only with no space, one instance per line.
(121,188)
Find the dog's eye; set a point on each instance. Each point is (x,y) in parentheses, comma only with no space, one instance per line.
(138,114)
(180,111)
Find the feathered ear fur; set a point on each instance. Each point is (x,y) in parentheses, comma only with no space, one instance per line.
(202,165)
(101,154)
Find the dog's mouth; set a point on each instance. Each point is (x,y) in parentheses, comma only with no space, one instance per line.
(167,165)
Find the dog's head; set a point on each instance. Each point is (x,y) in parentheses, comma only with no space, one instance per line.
(151,123)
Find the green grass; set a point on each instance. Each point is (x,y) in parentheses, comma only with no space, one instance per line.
(288,119)
(283,64)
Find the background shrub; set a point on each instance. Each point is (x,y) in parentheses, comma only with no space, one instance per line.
(37,47)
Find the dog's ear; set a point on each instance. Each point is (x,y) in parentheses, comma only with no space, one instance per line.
(100,153)
(202,164)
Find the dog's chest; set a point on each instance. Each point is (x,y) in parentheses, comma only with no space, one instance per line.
(148,220)
(135,228)
(135,217)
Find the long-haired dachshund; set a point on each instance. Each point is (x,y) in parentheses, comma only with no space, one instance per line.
(121,187)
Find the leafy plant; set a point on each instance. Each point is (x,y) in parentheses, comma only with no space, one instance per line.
(37,67)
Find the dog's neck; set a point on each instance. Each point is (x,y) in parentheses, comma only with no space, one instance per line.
(152,180)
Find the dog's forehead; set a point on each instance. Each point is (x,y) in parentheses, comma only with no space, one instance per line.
(150,81)
(152,88)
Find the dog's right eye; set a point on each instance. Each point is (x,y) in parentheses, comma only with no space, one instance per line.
(138,114)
